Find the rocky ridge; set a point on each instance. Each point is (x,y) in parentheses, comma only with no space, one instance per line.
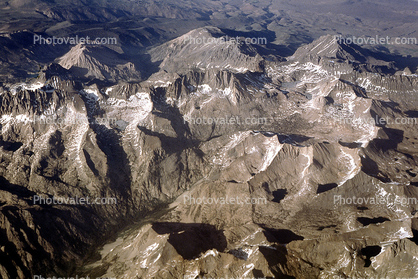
(152,155)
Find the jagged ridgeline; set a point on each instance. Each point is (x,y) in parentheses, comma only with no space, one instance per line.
(172,128)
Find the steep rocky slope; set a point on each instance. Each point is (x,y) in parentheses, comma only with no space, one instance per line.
(303,139)
(98,62)
(298,162)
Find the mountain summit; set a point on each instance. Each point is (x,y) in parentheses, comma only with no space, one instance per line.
(98,62)
(331,46)
(207,47)
(215,139)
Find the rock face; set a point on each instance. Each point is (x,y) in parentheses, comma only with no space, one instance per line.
(223,162)
(207,48)
(84,61)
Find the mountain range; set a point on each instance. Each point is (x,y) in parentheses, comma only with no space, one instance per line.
(296,158)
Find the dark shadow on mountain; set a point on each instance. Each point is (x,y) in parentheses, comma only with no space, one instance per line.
(368,252)
(401,61)
(391,105)
(358,90)
(281,236)
(90,163)
(118,171)
(192,239)
(356,51)
(365,57)
(412,113)
(292,139)
(395,137)
(40,52)
(351,145)
(48,167)
(276,257)
(14,189)
(257,273)
(183,140)
(100,83)
(80,72)
(239,253)
(141,59)
(10,257)
(52,225)
(326,187)
(171,144)
(10,146)
(410,173)
(253,79)
(380,122)
(171,113)
(321,228)
(414,237)
(55,69)
(371,168)
(279,194)
(109,141)
(76,74)
(365,221)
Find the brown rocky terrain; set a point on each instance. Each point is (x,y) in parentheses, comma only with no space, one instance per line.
(291,159)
